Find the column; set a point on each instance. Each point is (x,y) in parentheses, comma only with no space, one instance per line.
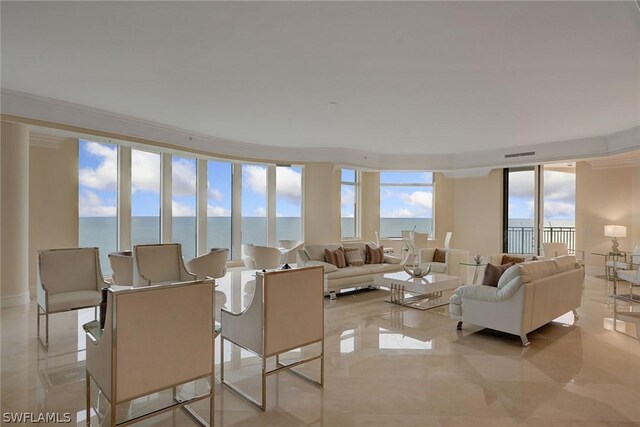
(14,214)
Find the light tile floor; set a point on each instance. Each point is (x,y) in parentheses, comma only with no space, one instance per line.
(385,366)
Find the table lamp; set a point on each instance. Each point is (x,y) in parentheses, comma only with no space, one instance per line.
(615,231)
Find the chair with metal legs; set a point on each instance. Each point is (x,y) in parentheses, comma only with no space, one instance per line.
(286,313)
(67,279)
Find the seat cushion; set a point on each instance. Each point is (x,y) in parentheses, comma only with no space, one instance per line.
(382,268)
(348,272)
(436,267)
(631,276)
(73,300)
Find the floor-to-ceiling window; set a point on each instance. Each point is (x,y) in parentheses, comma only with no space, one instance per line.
(520,185)
(559,204)
(349,197)
(98,198)
(183,204)
(145,197)
(254,204)
(288,203)
(539,207)
(406,202)
(219,198)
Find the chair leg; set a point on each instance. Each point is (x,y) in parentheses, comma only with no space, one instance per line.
(525,340)
(221,358)
(45,343)
(575,314)
(459,326)
(88,396)
(264,384)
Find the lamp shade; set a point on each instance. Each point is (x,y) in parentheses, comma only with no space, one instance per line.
(615,231)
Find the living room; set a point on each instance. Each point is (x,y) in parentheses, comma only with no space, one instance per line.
(515,86)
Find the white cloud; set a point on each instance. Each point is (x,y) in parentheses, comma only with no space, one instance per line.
(180,209)
(214,194)
(422,199)
(90,204)
(260,211)
(255,177)
(402,213)
(559,209)
(145,171)
(183,174)
(217,211)
(105,175)
(347,198)
(289,184)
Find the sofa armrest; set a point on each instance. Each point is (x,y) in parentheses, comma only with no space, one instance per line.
(479,293)
(388,259)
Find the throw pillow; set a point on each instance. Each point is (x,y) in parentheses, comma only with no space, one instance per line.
(439,256)
(375,255)
(353,257)
(492,273)
(506,259)
(335,257)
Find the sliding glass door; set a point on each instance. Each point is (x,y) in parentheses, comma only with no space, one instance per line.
(539,206)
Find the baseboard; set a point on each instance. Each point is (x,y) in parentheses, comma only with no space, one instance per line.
(16,300)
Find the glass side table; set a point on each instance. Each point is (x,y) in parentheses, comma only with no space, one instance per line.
(613,256)
(475,271)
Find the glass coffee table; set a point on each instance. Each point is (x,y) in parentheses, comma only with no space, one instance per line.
(420,293)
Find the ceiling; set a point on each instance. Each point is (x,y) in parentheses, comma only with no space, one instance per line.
(385,78)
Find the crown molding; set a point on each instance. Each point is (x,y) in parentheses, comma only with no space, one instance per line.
(46,112)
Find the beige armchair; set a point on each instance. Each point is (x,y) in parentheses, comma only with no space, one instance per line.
(165,337)
(286,313)
(451,264)
(259,257)
(122,268)
(213,264)
(291,248)
(159,264)
(67,279)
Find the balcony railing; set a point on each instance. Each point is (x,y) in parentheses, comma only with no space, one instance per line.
(521,239)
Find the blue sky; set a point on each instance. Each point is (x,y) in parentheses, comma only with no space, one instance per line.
(98,188)
(98,185)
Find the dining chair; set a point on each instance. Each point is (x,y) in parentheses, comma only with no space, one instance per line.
(67,279)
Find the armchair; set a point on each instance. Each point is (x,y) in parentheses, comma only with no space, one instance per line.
(291,248)
(67,279)
(213,264)
(122,268)
(159,264)
(286,313)
(451,264)
(259,257)
(154,338)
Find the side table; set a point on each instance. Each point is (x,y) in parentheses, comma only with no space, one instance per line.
(475,271)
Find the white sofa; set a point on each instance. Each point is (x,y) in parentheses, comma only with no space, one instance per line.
(349,277)
(528,295)
(451,265)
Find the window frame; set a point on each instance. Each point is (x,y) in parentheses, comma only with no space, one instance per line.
(357,185)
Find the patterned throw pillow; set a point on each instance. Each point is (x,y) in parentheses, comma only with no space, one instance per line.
(335,257)
(439,256)
(492,273)
(353,257)
(506,259)
(375,255)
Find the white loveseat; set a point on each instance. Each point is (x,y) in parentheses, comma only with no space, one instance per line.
(451,265)
(349,277)
(528,296)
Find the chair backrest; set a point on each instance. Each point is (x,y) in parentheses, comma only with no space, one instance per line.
(406,235)
(165,336)
(293,309)
(554,249)
(377,242)
(259,257)
(447,240)
(121,267)
(213,264)
(292,247)
(420,240)
(159,263)
(67,270)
